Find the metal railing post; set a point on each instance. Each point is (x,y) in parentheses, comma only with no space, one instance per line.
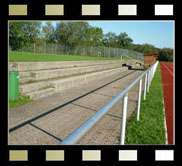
(139,99)
(152,73)
(148,81)
(149,77)
(123,124)
(145,87)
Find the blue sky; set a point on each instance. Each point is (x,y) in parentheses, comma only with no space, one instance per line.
(158,33)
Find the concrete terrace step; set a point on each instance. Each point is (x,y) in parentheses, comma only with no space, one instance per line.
(25,80)
(41,93)
(36,90)
(24,74)
(52,77)
(33,66)
(48,74)
(32,87)
(67,83)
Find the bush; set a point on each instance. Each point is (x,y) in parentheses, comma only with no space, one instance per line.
(166,54)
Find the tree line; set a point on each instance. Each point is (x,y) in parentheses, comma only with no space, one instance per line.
(22,34)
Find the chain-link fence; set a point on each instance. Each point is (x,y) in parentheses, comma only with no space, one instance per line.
(96,51)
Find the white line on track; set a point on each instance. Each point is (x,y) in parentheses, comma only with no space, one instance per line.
(168,70)
(165,123)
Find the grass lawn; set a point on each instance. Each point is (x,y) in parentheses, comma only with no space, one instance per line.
(34,57)
(21,101)
(150,128)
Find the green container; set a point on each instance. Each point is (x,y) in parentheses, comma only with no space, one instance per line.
(13,85)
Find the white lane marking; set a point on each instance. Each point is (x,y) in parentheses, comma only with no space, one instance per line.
(168,70)
(165,124)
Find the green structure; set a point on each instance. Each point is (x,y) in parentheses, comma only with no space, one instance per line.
(13,85)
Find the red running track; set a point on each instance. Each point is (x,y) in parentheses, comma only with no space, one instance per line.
(167,82)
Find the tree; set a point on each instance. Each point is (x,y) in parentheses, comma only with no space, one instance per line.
(94,36)
(110,39)
(123,40)
(48,33)
(166,54)
(71,33)
(22,34)
(145,48)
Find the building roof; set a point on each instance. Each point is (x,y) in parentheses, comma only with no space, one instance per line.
(152,54)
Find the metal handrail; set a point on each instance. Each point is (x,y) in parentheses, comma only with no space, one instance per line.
(76,135)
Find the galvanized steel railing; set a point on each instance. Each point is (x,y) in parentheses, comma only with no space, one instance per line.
(75,136)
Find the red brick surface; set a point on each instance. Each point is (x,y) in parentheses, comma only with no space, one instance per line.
(167,81)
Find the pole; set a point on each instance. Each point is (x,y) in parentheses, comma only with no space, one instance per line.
(139,99)
(56,49)
(148,81)
(34,47)
(145,87)
(124,113)
(45,48)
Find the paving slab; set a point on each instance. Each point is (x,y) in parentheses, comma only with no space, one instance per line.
(50,120)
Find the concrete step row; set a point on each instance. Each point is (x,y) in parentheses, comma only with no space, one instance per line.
(41,93)
(24,74)
(52,77)
(56,73)
(49,74)
(46,88)
(62,84)
(32,87)
(34,66)
(83,79)
(26,80)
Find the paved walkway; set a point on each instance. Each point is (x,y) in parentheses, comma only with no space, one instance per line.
(49,120)
(167,82)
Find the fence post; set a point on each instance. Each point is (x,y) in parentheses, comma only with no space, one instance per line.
(145,87)
(152,72)
(139,99)
(150,76)
(109,51)
(52,49)
(148,81)
(34,47)
(123,124)
(44,48)
(120,51)
(85,50)
(56,49)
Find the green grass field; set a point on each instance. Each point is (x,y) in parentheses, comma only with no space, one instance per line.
(150,128)
(38,57)
(20,101)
